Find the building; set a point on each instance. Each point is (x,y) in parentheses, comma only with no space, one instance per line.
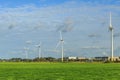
(101,59)
(72,58)
(106,59)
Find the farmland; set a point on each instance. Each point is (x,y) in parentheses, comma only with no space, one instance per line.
(59,71)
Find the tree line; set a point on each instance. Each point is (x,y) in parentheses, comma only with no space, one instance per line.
(45,59)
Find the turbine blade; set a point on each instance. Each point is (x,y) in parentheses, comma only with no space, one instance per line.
(110,21)
(40,43)
(57,44)
(61,38)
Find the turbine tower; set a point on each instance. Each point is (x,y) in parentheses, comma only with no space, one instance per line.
(62,47)
(112,40)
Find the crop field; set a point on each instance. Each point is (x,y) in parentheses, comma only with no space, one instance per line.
(59,71)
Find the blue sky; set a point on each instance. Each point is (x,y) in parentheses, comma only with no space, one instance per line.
(84,25)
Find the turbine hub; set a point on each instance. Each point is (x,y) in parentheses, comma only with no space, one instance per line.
(61,40)
(111,28)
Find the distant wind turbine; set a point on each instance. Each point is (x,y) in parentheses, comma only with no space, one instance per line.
(26,52)
(62,45)
(112,38)
(39,50)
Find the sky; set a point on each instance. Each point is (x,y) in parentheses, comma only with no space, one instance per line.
(84,25)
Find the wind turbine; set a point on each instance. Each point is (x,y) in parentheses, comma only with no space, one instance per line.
(26,52)
(39,50)
(62,45)
(112,38)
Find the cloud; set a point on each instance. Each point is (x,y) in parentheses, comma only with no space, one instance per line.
(31,22)
(66,26)
(33,16)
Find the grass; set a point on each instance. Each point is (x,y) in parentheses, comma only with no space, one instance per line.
(59,71)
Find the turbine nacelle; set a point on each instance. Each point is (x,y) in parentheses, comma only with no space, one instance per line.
(61,40)
(110,28)
(38,45)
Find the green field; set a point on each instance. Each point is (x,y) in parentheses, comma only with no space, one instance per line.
(59,71)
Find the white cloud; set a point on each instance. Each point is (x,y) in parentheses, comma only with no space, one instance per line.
(84,19)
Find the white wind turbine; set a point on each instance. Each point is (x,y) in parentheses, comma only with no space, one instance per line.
(62,45)
(112,38)
(26,49)
(26,52)
(39,50)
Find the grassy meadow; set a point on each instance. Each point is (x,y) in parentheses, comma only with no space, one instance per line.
(59,71)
